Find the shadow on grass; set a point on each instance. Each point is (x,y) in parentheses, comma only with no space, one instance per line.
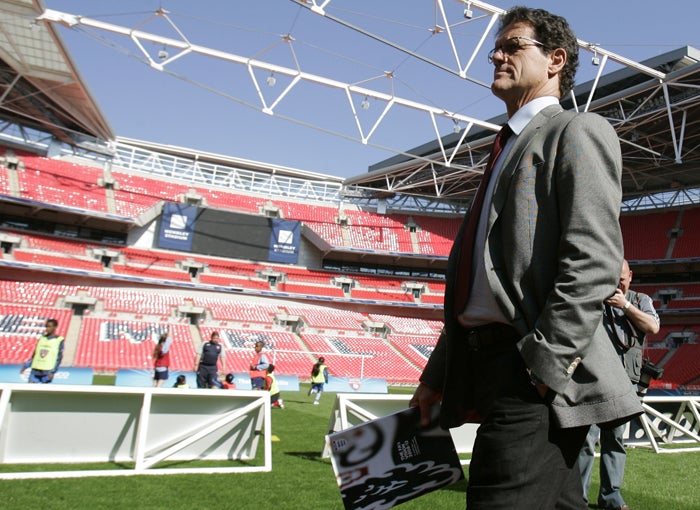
(312,456)
(299,400)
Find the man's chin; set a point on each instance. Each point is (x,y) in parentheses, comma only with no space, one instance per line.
(498,89)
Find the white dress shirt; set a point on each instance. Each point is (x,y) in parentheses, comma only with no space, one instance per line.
(482,307)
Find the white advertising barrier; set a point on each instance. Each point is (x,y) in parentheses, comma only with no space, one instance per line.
(45,424)
(670,424)
(64,375)
(142,378)
(353,409)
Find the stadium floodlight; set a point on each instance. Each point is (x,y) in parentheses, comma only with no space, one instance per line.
(457,128)
(468,13)
(271,80)
(365,103)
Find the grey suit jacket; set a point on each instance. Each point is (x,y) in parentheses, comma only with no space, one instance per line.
(553,253)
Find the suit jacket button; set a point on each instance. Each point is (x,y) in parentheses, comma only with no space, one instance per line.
(573,365)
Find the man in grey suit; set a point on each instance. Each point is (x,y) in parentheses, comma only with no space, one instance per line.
(525,352)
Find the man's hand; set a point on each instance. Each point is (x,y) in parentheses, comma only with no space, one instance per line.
(50,376)
(423,398)
(618,299)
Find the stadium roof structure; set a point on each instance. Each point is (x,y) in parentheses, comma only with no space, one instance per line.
(657,118)
(40,87)
(652,105)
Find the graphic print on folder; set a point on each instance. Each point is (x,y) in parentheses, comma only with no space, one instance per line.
(384,462)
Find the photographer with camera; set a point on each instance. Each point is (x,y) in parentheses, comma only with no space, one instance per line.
(628,317)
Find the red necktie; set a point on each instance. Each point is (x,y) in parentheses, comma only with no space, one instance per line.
(464,268)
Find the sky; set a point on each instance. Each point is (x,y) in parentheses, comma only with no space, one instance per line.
(211,105)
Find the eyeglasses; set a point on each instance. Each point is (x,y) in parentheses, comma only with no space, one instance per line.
(513,45)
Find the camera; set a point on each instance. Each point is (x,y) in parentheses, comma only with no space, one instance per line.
(649,372)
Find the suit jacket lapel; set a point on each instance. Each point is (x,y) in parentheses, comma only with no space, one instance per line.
(512,161)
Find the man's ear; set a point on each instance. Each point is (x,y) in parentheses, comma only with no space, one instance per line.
(557,60)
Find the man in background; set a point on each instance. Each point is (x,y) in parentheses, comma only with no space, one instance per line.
(47,355)
(258,367)
(628,317)
(206,363)
(161,359)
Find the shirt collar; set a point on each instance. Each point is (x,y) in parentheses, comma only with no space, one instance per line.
(526,113)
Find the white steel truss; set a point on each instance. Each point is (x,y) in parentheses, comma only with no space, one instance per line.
(451,171)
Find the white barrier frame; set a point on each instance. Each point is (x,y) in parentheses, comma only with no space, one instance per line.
(667,422)
(351,409)
(87,424)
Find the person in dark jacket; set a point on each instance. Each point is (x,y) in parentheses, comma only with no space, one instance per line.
(207,361)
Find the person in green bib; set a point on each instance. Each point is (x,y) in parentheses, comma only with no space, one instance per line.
(47,356)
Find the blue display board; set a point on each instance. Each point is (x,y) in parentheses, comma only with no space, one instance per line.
(285,382)
(354,385)
(140,377)
(67,375)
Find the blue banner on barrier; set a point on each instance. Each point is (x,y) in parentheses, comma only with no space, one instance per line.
(67,375)
(141,378)
(353,385)
(285,382)
(284,241)
(177,226)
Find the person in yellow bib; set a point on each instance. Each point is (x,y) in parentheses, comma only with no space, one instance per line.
(47,356)
(272,386)
(319,377)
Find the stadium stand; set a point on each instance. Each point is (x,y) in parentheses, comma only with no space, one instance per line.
(49,244)
(111,344)
(134,194)
(353,356)
(134,301)
(684,366)
(21,326)
(395,345)
(366,290)
(54,181)
(243,312)
(227,200)
(32,293)
(283,348)
(654,227)
(655,355)
(688,239)
(328,319)
(415,348)
(53,260)
(409,325)
(435,235)
(4,181)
